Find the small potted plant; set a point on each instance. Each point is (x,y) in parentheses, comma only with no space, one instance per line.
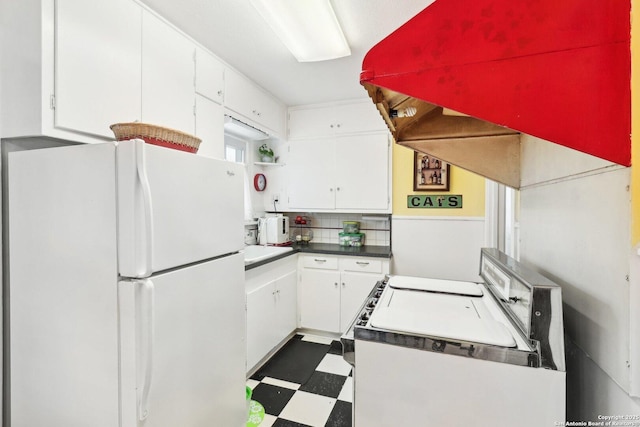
(266,153)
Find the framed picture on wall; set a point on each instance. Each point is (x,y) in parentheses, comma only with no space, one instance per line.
(429,173)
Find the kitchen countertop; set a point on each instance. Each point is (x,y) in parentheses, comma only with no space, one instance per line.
(328,249)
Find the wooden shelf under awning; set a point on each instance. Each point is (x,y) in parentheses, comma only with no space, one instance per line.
(481,147)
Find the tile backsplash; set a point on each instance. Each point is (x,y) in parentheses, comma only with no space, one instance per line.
(324,227)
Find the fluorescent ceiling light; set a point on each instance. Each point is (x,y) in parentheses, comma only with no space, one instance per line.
(308,28)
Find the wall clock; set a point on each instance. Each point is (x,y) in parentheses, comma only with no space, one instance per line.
(260,182)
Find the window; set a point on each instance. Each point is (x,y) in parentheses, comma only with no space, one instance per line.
(234,149)
(511,222)
(502,206)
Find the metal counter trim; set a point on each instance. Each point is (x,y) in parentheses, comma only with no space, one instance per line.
(435,345)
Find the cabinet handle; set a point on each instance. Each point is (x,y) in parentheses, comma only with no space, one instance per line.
(343,284)
(331,189)
(319,260)
(336,284)
(220,93)
(331,126)
(362,263)
(337,188)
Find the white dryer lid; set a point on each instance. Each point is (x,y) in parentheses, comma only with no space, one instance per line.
(453,317)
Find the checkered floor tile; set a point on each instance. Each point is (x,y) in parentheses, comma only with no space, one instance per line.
(305,384)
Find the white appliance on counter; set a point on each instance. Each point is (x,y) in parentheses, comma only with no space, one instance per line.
(273,229)
(127,304)
(436,352)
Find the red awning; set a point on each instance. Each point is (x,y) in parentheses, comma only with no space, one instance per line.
(557,70)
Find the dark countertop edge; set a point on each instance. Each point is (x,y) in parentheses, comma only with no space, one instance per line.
(269,260)
(328,249)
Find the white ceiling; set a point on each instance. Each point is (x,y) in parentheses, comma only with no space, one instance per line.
(235,32)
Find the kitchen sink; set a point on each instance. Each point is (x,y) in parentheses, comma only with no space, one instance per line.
(255,253)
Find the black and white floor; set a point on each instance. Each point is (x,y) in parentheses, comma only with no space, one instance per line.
(306,383)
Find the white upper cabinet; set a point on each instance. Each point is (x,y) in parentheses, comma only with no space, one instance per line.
(97,64)
(209,76)
(332,120)
(346,173)
(210,127)
(362,172)
(255,106)
(75,67)
(168,70)
(311,171)
(71,68)
(339,158)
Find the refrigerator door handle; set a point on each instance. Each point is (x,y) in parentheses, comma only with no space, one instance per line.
(141,168)
(145,309)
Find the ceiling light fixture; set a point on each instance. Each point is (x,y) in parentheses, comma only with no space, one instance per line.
(309,28)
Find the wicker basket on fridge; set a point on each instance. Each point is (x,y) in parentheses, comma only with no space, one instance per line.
(156,135)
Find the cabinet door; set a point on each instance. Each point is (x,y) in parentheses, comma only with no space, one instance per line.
(320,300)
(362,172)
(97,64)
(311,167)
(210,127)
(209,76)
(286,305)
(355,288)
(237,91)
(246,98)
(358,117)
(239,96)
(311,122)
(261,326)
(271,113)
(168,70)
(335,120)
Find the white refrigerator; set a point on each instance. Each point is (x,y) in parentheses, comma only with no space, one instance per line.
(126,288)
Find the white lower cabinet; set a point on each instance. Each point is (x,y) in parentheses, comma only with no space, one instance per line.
(354,289)
(333,288)
(320,299)
(271,307)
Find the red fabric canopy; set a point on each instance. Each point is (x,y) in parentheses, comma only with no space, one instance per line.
(558,70)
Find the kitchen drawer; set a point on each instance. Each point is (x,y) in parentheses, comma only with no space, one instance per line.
(320,261)
(365,265)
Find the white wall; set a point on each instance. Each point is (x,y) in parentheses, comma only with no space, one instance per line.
(275,174)
(591,392)
(439,247)
(575,229)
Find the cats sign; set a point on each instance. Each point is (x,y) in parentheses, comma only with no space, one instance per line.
(447,201)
